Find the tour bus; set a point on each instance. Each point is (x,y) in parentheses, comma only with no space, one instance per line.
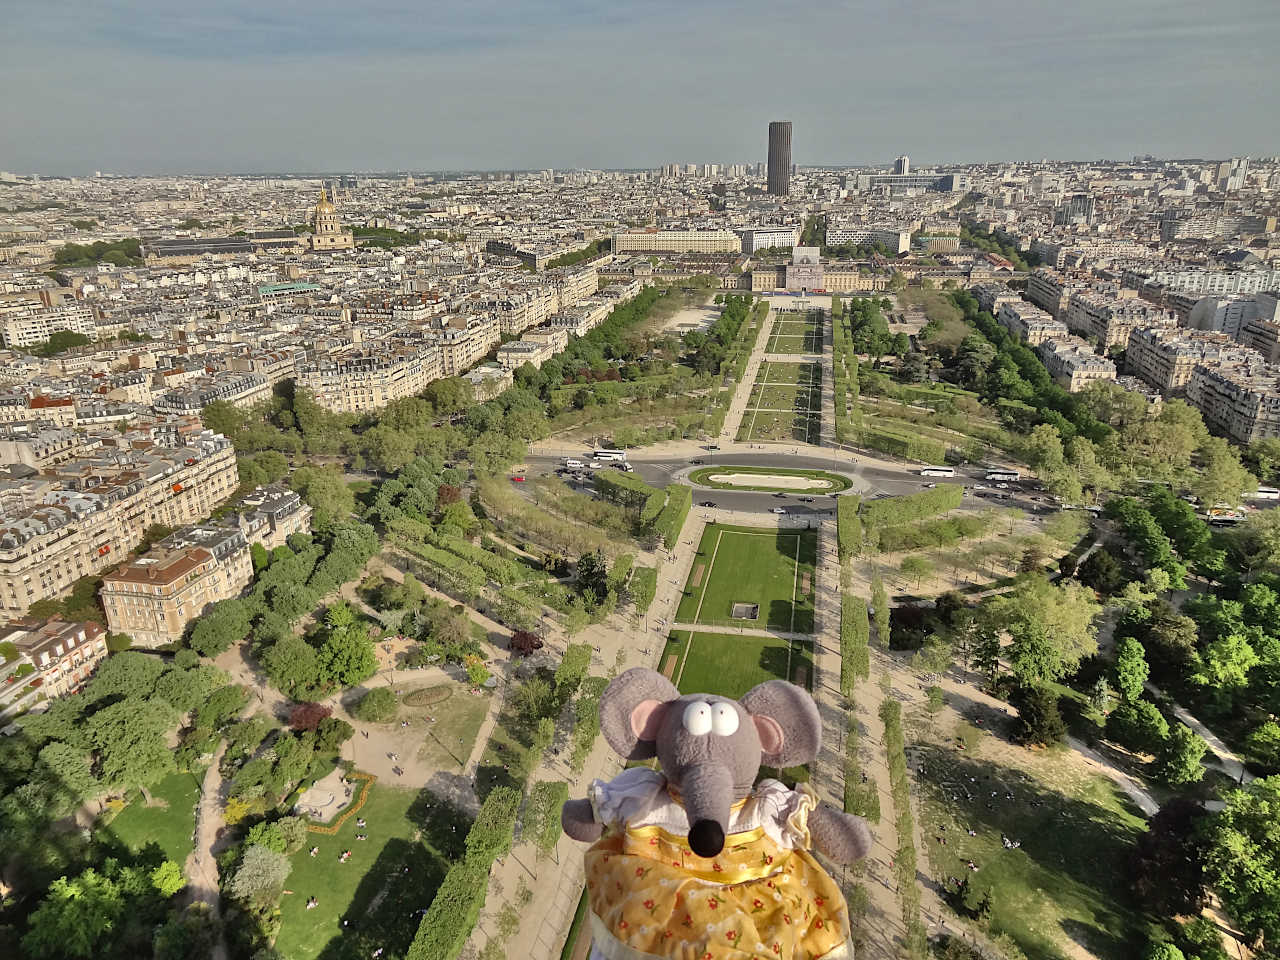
(1267,493)
(608,454)
(938,471)
(1006,475)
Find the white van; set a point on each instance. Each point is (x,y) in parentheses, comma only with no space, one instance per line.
(576,464)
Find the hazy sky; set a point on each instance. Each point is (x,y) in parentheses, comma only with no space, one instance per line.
(156,86)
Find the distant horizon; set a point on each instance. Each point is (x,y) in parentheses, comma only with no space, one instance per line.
(250,85)
(916,166)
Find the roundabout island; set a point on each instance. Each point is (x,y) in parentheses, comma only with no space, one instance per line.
(731,477)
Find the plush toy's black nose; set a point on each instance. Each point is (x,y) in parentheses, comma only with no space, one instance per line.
(706,838)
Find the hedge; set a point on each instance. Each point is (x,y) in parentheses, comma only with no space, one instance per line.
(939,532)
(586,711)
(541,820)
(453,913)
(848,525)
(895,511)
(629,491)
(620,571)
(862,799)
(905,862)
(492,832)
(906,446)
(855,638)
(671,519)
(644,587)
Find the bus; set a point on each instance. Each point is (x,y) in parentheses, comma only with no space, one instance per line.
(608,454)
(1006,475)
(1267,493)
(938,471)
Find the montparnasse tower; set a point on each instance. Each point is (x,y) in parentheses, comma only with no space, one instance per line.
(327,231)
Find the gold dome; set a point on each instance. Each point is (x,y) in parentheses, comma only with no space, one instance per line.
(324,206)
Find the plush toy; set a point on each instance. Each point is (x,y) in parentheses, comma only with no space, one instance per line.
(699,860)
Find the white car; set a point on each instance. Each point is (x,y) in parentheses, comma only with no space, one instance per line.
(777,510)
(595,465)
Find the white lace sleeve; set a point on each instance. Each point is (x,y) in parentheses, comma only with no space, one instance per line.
(627,797)
(784,813)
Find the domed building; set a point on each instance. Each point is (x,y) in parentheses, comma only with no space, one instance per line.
(327,232)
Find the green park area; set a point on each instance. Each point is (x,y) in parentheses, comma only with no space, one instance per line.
(731,665)
(822,481)
(169,820)
(752,577)
(785,403)
(1052,847)
(796,336)
(411,837)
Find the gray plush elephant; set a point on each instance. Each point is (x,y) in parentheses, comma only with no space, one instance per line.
(699,860)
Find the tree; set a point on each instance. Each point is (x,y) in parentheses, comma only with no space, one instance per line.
(1225,664)
(1101,571)
(226,623)
(326,492)
(1242,858)
(1181,758)
(1264,744)
(66,770)
(132,740)
(75,917)
(167,879)
(128,674)
(1051,627)
(1222,478)
(1138,725)
(915,568)
(541,820)
(379,705)
(260,878)
(307,716)
(184,690)
(1168,860)
(1163,951)
(524,643)
(258,554)
(1039,719)
(347,656)
(1129,672)
(189,935)
(293,666)
(332,733)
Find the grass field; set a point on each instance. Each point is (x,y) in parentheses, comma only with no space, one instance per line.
(835,482)
(372,890)
(458,714)
(1067,885)
(169,825)
(747,565)
(796,336)
(731,665)
(785,403)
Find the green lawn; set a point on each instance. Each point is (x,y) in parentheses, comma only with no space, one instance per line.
(169,825)
(372,890)
(1068,883)
(458,719)
(749,565)
(730,665)
(788,372)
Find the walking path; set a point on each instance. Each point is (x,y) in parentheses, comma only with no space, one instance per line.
(201,868)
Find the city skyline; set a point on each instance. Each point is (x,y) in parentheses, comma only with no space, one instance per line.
(151,90)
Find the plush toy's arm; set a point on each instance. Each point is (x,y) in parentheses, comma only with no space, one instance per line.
(840,836)
(579,821)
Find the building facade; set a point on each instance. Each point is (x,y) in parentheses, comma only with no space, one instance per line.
(779,181)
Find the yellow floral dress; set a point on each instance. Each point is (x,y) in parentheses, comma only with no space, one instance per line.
(764,896)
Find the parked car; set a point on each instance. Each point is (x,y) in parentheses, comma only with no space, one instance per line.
(806,499)
(930,486)
(518,478)
(779,495)
(1002,486)
(707,503)
(695,463)
(777,510)
(595,465)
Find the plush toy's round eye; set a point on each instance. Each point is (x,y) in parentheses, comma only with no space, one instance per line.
(697,718)
(724,719)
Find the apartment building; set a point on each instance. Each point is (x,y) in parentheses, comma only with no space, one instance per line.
(270,515)
(24,327)
(676,241)
(1050,290)
(1110,320)
(154,597)
(56,411)
(517,353)
(1222,313)
(1203,280)
(839,277)
(488,380)
(369,381)
(1238,399)
(40,446)
(273,366)
(1029,323)
(992,296)
(1165,357)
(557,339)
(99,508)
(581,318)
(462,347)
(897,239)
(764,238)
(242,390)
(1073,364)
(63,655)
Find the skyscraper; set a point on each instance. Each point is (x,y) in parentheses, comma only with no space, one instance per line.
(902,166)
(780,158)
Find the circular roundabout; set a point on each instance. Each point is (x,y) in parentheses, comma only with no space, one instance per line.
(770,479)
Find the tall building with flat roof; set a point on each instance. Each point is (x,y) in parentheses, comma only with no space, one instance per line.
(902,166)
(780,158)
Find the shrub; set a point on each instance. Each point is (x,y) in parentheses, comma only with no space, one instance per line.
(379,705)
(671,519)
(1039,719)
(307,716)
(1138,725)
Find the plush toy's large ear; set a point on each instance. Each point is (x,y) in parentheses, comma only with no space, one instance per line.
(787,721)
(631,711)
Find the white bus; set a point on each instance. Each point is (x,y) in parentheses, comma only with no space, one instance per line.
(574,464)
(938,471)
(1267,493)
(607,454)
(1006,475)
